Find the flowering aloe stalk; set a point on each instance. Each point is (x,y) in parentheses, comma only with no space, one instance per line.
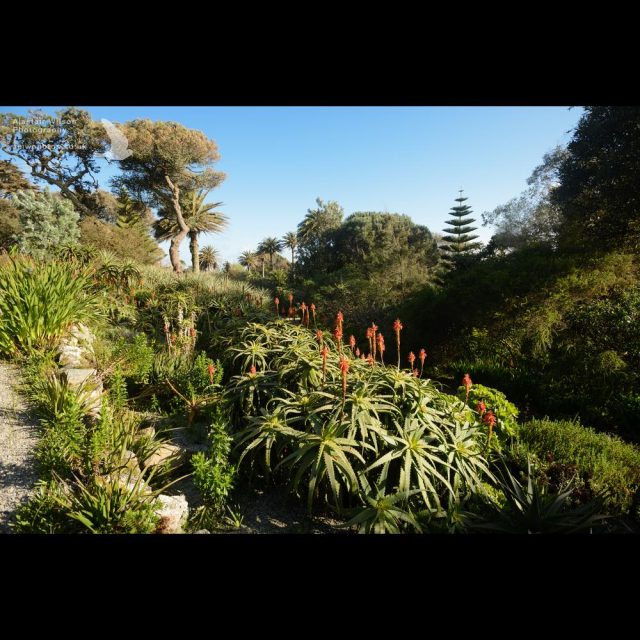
(303,308)
(313,313)
(337,332)
(423,356)
(352,343)
(381,347)
(324,352)
(277,303)
(319,337)
(374,328)
(411,358)
(489,419)
(344,369)
(370,339)
(397,328)
(211,370)
(466,383)
(291,309)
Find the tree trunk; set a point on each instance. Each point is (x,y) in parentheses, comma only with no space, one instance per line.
(263,266)
(271,261)
(292,265)
(193,245)
(174,249)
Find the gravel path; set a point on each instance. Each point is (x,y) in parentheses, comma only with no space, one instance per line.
(18,436)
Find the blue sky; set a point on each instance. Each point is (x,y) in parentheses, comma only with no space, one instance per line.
(407,160)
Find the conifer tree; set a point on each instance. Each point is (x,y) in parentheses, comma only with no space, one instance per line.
(459,240)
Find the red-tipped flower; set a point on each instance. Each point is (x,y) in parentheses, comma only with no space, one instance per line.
(352,342)
(490,420)
(467,382)
(337,332)
(277,303)
(324,352)
(397,328)
(211,371)
(370,360)
(411,358)
(319,336)
(252,370)
(339,318)
(481,407)
(423,356)
(344,370)
(357,352)
(415,373)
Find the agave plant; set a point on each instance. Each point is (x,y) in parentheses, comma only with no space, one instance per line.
(533,508)
(383,513)
(323,454)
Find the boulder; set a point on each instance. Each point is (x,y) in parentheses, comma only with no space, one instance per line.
(166,453)
(76,377)
(146,433)
(173,512)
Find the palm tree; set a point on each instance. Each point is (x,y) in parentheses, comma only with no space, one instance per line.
(209,258)
(290,241)
(199,216)
(270,246)
(248,259)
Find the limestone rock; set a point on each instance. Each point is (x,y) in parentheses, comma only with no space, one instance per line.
(76,377)
(166,453)
(173,512)
(146,433)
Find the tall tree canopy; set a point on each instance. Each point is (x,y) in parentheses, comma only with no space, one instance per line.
(200,216)
(532,217)
(60,151)
(168,158)
(599,191)
(315,233)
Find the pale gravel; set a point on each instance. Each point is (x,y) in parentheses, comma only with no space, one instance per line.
(18,438)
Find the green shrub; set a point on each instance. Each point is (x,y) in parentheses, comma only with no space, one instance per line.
(38,302)
(609,463)
(506,412)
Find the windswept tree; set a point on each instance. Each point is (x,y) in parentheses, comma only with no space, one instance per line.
(61,151)
(200,216)
(167,159)
(290,241)
(532,217)
(209,258)
(270,246)
(249,260)
(315,233)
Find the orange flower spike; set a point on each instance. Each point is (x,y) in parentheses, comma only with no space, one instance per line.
(319,336)
(423,356)
(339,319)
(324,352)
(466,383)
(352,342)
(313,313)
(374,328)
(357,352)
(489,419)
(370,360)
(252,370)
(344,369)
(211,371)
(397,327)
(277,303)
(415,373)
(411,358)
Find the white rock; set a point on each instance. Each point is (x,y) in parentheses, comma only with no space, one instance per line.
(75,377)
(173,511)
(165,453)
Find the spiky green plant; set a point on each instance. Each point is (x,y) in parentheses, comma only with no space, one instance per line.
(39,302)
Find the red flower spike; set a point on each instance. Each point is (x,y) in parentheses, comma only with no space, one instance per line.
(319,336)
(370,360)
(352,341)
(415,373)
(490,420)
(467,382)
(411,358)
(211,371)
(337,332)
(481,407)
(357,352)
(423,356)
(397,325)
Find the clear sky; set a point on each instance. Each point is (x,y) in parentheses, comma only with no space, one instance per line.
(407,160)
